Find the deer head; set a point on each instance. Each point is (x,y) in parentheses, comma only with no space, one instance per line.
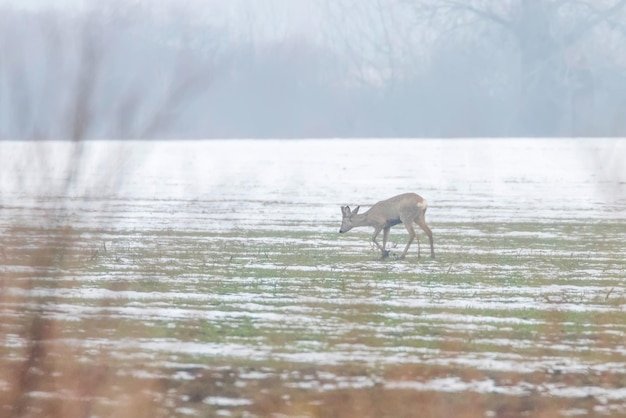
(346,220)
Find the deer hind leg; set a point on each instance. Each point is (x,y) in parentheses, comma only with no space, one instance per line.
(421,221)
(412,234)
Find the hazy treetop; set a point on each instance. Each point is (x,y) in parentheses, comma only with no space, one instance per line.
(285,68)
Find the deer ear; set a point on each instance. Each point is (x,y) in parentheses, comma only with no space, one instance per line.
(356,210)
(345,210)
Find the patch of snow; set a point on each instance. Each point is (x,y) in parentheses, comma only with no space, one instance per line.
(225,402)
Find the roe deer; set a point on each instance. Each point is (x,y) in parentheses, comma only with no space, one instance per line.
(405,208)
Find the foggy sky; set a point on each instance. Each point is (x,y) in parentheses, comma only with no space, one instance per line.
(271,18)
(311,68)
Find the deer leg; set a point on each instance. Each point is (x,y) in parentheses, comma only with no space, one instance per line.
(385,235)
(376,232)
(419,247)
(412,234)
(421,221)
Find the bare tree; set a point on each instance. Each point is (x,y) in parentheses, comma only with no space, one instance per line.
(112,73)
(544,31)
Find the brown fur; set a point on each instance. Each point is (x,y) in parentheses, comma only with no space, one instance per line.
(406,208)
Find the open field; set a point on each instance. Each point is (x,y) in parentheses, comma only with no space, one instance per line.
(208,279)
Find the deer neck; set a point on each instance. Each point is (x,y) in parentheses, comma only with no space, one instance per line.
(361,220)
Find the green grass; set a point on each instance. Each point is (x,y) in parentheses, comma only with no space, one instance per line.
(513,292)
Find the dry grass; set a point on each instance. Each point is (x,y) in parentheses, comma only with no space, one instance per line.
(54,365)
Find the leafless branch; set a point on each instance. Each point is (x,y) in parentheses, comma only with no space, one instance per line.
(584,27)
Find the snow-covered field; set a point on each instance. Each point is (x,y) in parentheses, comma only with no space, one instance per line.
(491,179)
(218,264)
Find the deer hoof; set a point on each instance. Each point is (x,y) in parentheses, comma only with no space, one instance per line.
(384,255)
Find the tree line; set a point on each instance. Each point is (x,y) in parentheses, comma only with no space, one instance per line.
(395,68)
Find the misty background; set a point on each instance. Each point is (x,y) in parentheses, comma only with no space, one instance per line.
(312,68)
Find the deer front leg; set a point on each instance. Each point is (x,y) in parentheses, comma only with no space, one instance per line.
(385,235)
(384,253)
